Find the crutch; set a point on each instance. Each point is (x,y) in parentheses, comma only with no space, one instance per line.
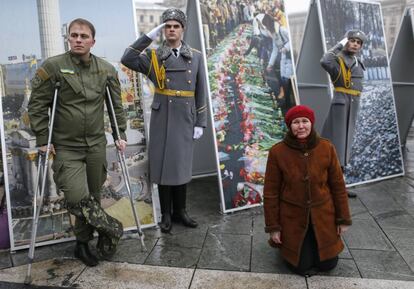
(41,171)
(124,168)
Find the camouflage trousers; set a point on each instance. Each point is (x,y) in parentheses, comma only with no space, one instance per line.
(80,173)
(110,229)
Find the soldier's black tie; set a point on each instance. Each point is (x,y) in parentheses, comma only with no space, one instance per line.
(175,50)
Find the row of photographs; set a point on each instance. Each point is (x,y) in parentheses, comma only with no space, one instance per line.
(251,76)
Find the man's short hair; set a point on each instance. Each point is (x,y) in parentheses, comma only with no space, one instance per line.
(82,21)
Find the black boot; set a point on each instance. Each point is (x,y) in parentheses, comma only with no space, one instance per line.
(106,249)
(179,212)
(165,202)
(82,253)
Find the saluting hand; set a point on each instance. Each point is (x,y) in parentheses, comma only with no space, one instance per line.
(121,145)
(153,34)
(344,41)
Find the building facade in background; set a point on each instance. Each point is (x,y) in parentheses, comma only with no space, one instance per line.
(148,12)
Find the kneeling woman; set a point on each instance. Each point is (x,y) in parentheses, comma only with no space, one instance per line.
(305,201)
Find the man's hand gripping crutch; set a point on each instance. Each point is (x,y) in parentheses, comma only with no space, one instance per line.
(43,157)
(121,145)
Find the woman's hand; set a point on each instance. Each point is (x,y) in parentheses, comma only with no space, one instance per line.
(340,229)
(276,237)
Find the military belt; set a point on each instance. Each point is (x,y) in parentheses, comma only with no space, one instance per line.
(178,93)
(348,91)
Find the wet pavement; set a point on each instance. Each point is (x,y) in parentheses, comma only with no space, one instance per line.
(231,251)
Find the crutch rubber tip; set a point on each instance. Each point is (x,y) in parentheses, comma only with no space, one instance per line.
(143,247)
(28,280)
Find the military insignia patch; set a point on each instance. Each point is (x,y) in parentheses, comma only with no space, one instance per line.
(42,73)
(40,76)
(36,81)
(67,71)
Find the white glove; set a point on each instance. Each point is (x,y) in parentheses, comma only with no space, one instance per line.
(153,34)
(344,41)
(198,132)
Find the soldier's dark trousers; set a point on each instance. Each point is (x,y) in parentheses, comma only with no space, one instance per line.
(80,173)
(176,195)
(179,206)
(165,203)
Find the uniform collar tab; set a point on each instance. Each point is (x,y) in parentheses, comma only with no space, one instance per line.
(164,51)
(76,59)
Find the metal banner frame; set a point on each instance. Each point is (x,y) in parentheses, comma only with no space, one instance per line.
(403,73)
(378,156)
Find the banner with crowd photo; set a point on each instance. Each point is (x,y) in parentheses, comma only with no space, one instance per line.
(18,142)
(250,66)
(376,150)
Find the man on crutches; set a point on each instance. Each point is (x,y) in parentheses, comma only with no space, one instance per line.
(78,141)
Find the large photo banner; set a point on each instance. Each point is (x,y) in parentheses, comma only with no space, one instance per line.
(251,72)
(376,150)
(19,61)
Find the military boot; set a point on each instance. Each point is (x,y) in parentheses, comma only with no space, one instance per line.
(165,203)
(179,211)
(105,246)
(108,227)
(83,253)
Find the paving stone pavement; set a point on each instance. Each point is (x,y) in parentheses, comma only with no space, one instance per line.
(231,251)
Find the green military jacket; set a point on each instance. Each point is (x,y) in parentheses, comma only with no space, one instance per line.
(79,117)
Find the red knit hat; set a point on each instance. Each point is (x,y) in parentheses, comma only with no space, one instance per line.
(299,111)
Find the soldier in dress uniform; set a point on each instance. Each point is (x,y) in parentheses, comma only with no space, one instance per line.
(179,111)
(79,141)
(346,71)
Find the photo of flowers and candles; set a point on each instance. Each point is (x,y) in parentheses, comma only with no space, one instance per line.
(250,67)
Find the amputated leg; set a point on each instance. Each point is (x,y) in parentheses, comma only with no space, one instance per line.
(110,229)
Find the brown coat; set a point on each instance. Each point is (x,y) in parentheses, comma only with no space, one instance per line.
(305,182)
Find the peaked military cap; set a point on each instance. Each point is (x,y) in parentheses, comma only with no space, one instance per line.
(174,14)
(358,34)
